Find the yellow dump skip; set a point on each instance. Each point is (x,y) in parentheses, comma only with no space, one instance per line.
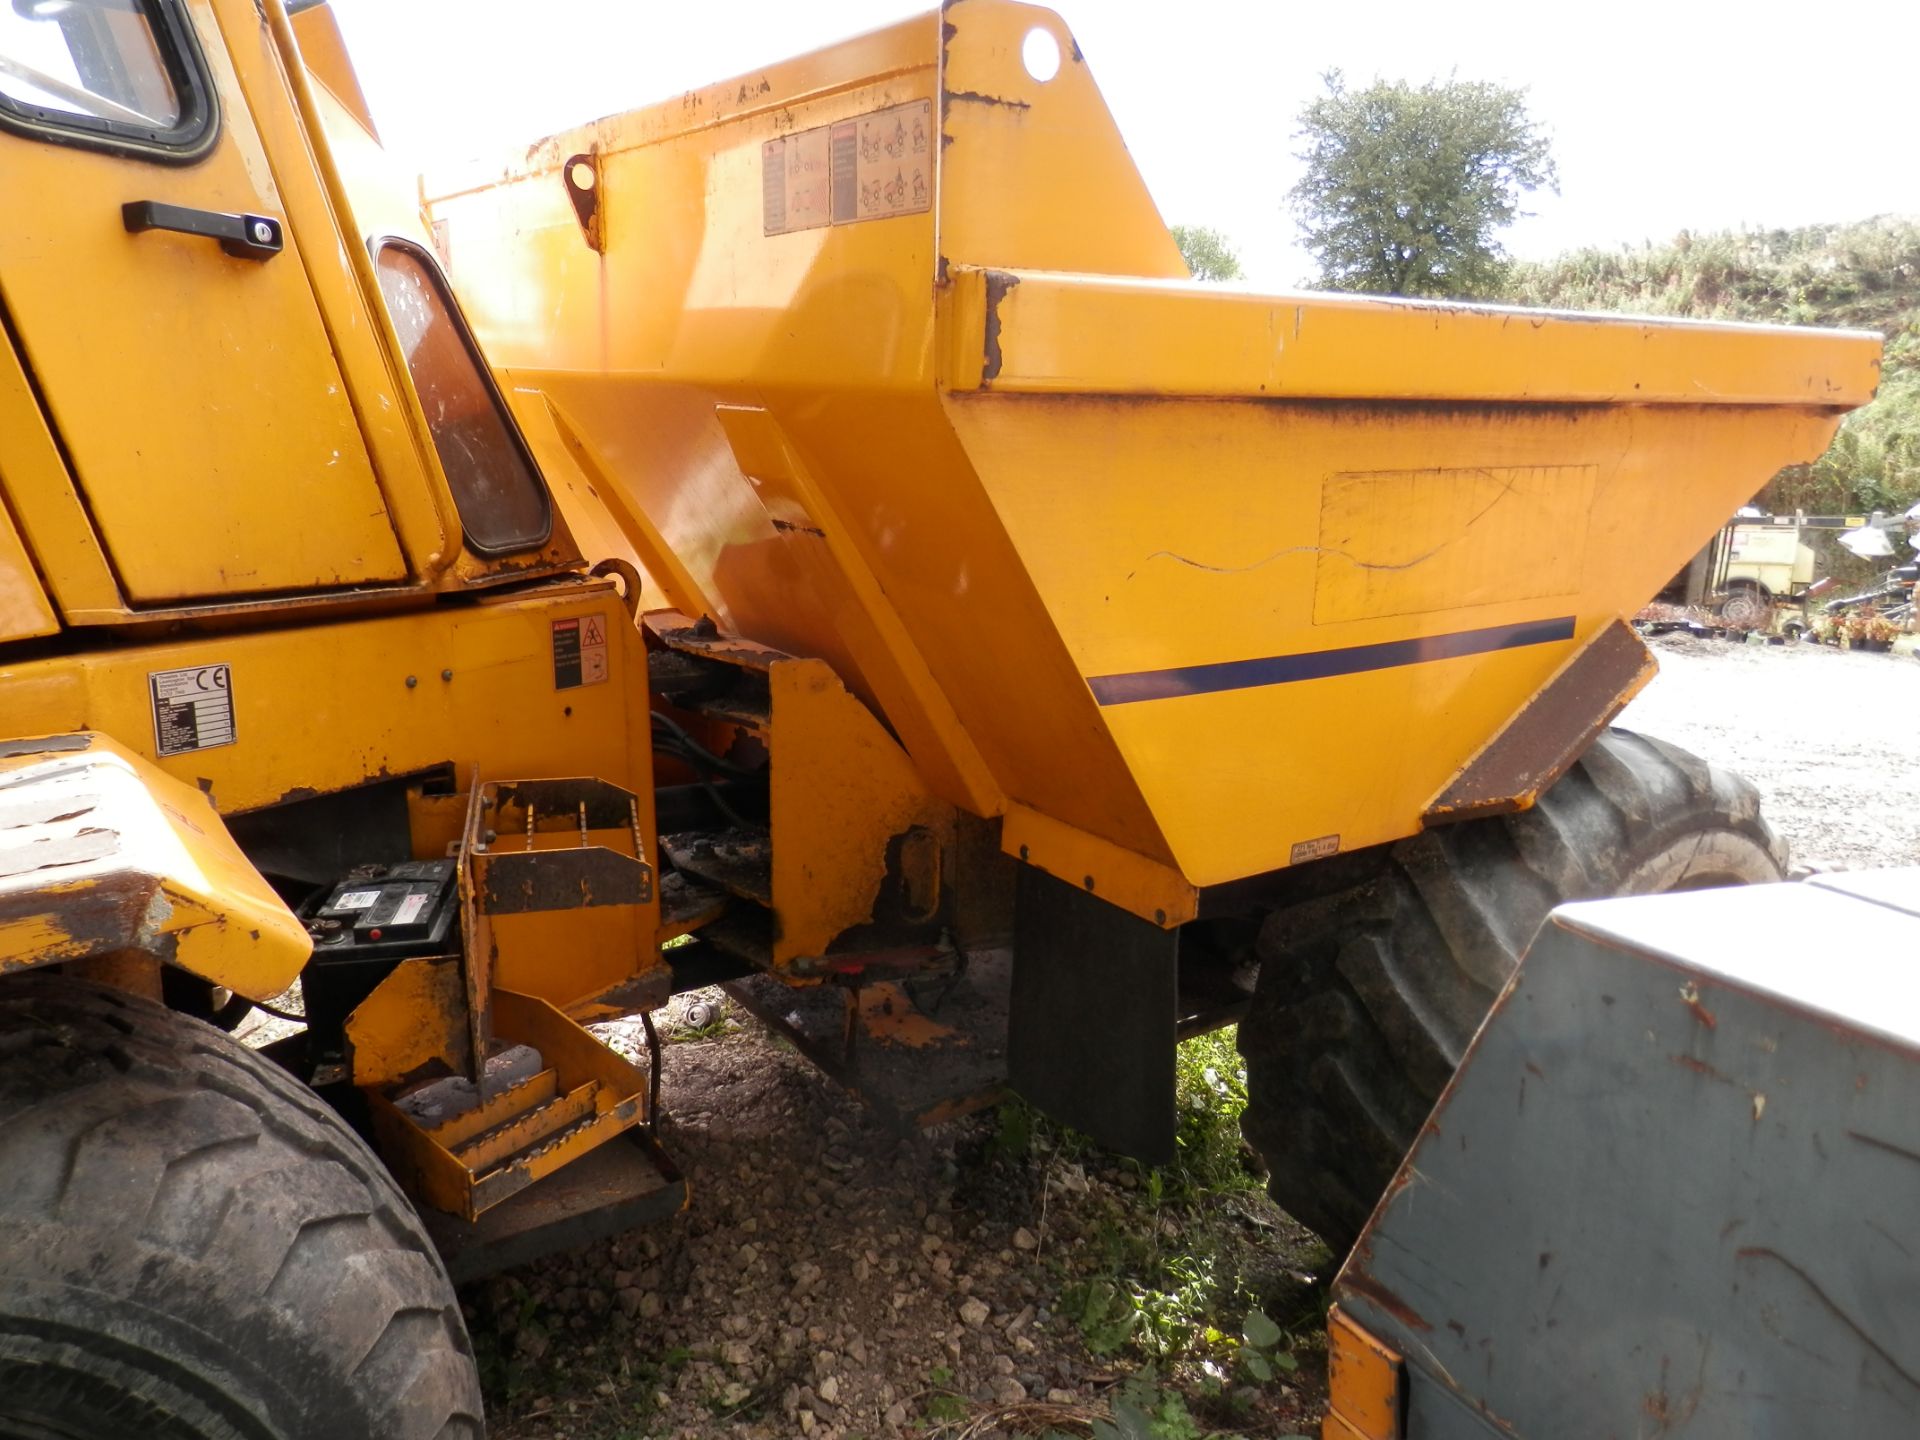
(1187,583)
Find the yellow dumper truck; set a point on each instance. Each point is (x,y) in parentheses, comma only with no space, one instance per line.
(808,535)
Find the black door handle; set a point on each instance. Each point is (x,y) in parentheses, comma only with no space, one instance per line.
(251,237)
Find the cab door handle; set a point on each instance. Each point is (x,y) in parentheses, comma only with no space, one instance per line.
(251,237)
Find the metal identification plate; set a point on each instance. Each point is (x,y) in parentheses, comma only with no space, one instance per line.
(1316,849)
(871,167)
(192,709)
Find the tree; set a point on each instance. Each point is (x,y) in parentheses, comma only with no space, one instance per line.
(1207,253)
(1406,187)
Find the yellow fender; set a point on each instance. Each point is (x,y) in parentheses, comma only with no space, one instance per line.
(103,854)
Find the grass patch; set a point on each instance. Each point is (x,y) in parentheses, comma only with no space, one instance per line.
(1211,1085)
(1186,1273)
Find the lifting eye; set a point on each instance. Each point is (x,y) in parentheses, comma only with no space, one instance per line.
(581,175)
(1040,53)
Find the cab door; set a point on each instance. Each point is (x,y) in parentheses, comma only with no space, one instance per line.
(163,307)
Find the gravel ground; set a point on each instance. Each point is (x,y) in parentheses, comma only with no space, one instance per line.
(834,1279)
(1827,735)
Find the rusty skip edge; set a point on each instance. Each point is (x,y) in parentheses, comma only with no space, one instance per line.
(1550,733)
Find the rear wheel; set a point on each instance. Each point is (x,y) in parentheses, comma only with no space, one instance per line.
(1747,606)
(1368,995)
(194,1247)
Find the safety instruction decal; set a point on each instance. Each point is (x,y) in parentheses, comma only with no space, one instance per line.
(871,167)
(192,709)
(579,651)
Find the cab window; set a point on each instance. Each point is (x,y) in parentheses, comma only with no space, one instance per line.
(122,75)
(496,487)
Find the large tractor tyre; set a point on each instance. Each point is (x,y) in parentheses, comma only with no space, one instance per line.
(194,1247)
(1368,995)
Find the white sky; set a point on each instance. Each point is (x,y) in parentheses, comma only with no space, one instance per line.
(1665,114)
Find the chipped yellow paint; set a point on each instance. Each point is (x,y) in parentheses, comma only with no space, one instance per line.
(887,1014)
(415,1016)
(102,854)
(842,789)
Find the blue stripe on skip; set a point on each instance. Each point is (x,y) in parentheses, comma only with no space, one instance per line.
(1322,664)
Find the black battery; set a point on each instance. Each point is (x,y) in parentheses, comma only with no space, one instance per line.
(367,924)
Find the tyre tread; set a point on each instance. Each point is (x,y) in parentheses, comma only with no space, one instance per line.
(1368,996)
(160,1136)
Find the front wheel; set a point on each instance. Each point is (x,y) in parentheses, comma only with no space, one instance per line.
(193,1247)
(1368,995)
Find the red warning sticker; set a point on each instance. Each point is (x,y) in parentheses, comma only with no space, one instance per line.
(579,651)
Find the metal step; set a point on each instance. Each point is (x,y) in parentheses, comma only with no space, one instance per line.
(623,1184)
(464,1153)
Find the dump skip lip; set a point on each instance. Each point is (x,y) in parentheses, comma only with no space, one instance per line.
(1138,685)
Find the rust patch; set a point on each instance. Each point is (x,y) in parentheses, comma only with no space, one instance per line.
(120,911)
(1699,1067)
(1551,732)
(1371,1289)
(1690,997)
(999,285)
(974,97)
(795,527)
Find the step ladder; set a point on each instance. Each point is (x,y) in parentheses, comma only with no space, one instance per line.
(551,1094)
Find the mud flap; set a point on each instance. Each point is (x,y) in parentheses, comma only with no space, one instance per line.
(1090,1040)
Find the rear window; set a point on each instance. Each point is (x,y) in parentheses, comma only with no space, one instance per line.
(122,75)
(496,487)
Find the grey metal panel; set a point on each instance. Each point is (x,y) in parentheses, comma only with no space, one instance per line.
(1660,1199)
(1806,946)
(1897,888)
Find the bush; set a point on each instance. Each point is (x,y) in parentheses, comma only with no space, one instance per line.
(1865,276)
